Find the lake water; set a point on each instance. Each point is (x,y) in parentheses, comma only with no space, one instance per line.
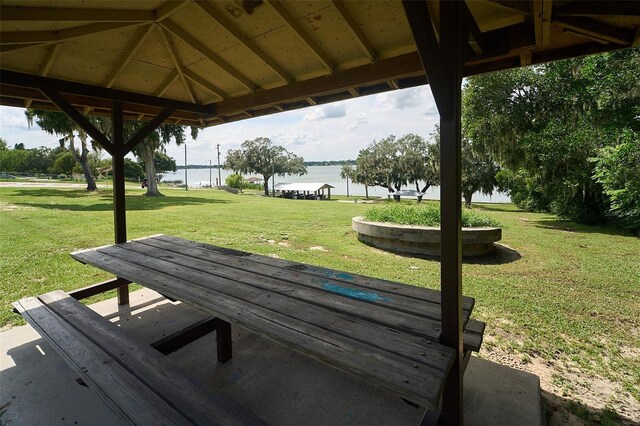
(324,174)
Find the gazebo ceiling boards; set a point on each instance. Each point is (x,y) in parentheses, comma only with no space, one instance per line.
(233,60)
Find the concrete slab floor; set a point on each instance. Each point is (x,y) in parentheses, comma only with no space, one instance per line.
(282,387)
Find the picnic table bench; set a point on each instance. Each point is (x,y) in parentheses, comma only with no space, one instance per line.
(383,332)
(138,383)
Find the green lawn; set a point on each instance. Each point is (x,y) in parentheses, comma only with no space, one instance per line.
(571,301)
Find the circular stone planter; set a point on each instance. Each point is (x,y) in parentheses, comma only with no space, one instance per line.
(422,240)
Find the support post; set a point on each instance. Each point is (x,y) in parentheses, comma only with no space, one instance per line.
(223,338)
(119,208)
(443,60)
(453,38)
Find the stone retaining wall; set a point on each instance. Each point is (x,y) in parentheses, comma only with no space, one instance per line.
(422,240)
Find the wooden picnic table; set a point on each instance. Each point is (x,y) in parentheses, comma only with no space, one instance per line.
(385,333)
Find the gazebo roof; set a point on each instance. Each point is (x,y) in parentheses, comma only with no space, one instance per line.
(215,62)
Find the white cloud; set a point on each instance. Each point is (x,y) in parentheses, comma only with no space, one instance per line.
(335,110)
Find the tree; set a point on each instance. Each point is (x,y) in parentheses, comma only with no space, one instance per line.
(235,180)
(260,156)
(153,145)
(3,144)
(478,172)
(58,123)
(543,125)
(63,164)
(393,163)
(346,172)
(617,169)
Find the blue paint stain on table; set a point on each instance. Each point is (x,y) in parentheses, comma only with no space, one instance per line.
(340,275)
(367,296)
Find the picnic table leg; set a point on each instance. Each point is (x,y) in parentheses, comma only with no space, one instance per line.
(123,295)
(223,338)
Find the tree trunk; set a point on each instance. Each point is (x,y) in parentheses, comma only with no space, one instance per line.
(82,160)
(467,198)
(150,170)
(266,184)
(366,191)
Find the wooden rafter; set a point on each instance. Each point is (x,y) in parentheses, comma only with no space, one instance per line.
(419,17)
(302,34)
(244,40)
(208,53)
(169,8)
(13,78)
(600,8)
(595,30)
(147,129)
(132,49)
(47,63)
(68,14)
(176,64)
(48,37)
(204,83)
(542,21)
(407,65)
(353,26)
(353,92)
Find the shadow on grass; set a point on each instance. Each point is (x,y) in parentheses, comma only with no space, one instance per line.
(97,201)
(560,410)
(501,255)
(570,226)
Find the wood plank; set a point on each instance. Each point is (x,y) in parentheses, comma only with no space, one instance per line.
(122,392)
(412,319)
(187,335)
(158,373)
(473,335)
(371,283)
(386,371)
(344,325)
(291,281)
(92,290)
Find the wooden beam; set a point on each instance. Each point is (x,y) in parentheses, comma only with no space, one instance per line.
(636,38)
(131,50)
(205,83)
(453,38)
(400,66)
(119,199)
(353,26)
(244,40)
(47,63)
(169,8)
(164,86)
(476,39)
(302,34)
(80,120)
(176,64)
(147,129)
(187,335)
(424,35)
(596,30)
(209,54)
(542,21)
(353,92)
(598,8)
(48,37)
(525,58)
(516,6)
(28,80)
(92,290)
(68,14)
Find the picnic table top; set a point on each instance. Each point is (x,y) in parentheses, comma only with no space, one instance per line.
(381,331)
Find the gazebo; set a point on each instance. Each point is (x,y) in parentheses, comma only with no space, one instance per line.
(205,63)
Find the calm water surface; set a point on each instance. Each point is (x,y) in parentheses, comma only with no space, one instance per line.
(324,174)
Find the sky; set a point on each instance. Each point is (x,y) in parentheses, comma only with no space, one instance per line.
(336,131)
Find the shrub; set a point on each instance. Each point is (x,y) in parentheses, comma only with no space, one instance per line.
(423,215)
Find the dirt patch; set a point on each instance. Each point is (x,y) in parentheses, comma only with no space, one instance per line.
(566,390)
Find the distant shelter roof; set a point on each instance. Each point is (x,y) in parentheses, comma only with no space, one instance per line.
(302,187)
